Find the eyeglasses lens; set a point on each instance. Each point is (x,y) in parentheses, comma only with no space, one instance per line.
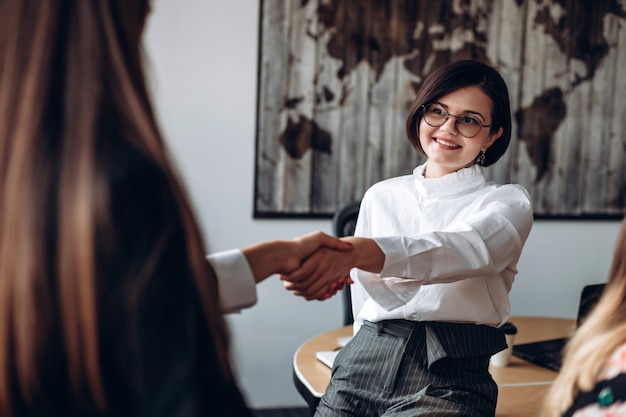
(436,115)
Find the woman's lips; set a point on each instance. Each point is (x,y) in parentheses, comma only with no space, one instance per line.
(446,143)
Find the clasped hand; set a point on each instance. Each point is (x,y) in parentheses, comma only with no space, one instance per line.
(324,267)
(314,266)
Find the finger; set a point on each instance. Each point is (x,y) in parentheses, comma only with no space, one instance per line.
(290,286)
(333,287)
(315,293)
(338,285)
(305,270)
(326,282)
(341,282)
(306,283)
(335,243)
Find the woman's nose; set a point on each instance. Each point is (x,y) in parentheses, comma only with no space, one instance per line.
(449,125)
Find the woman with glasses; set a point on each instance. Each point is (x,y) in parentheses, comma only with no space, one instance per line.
(433,260)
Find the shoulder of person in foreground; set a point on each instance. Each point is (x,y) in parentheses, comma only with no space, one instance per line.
(608,397)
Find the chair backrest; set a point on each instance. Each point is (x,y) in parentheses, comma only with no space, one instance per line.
(344,222)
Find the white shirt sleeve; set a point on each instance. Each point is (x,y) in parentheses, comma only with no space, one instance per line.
(236,284)
(485,244)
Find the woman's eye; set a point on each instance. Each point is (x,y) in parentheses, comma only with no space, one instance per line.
(469,120)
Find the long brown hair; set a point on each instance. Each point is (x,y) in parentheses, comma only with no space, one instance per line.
(64,63)
(592,344)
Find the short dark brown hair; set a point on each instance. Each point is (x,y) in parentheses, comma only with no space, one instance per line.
(460,74)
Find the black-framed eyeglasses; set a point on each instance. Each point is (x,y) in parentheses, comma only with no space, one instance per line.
(467,125)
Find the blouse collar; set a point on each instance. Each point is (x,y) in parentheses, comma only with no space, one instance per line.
(459,182)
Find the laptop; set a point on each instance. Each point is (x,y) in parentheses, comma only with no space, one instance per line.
(548,353)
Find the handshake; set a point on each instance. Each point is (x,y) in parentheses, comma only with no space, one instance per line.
(314,266)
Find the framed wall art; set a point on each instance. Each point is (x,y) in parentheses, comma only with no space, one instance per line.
(336,79)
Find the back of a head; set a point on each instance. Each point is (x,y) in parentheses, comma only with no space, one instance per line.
(618,268)
(71,77)
(594,341)
(461,74)
(612,310)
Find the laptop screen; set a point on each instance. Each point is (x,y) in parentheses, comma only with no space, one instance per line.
(547,353)
(588,300)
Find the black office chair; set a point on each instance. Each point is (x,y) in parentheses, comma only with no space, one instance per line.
(344,222)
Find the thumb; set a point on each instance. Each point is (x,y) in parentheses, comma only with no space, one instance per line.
(337,244)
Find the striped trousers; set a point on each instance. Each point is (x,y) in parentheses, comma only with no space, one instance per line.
(400,368)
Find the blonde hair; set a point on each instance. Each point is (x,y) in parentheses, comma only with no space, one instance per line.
(66,65)
(592,344)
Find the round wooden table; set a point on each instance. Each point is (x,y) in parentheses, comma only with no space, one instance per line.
(522,385)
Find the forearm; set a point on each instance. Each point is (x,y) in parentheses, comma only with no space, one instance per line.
(270,257)
(484,245)
(283,256)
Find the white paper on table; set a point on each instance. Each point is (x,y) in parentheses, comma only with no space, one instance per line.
(327,357)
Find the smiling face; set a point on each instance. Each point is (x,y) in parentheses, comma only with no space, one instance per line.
(447,150)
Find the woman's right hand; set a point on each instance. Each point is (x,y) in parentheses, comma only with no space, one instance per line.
(327,270)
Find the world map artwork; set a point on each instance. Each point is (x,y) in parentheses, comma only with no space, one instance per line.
(337,78)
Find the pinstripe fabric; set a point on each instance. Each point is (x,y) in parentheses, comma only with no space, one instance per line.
(399,368)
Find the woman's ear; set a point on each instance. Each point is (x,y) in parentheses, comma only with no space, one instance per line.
(493,137)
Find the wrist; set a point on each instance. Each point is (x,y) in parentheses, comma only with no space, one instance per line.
(267,258)
(367,254)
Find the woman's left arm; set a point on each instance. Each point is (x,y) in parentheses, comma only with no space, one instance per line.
(487,241)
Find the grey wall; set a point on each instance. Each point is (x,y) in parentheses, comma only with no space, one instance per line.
(202,59)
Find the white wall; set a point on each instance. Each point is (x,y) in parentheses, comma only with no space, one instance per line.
(203,65)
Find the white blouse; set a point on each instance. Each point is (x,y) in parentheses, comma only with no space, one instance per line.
(451,246)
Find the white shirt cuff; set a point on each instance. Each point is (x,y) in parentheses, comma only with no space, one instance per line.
(236,284)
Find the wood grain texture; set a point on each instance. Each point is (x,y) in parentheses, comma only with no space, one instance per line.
(337,77)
